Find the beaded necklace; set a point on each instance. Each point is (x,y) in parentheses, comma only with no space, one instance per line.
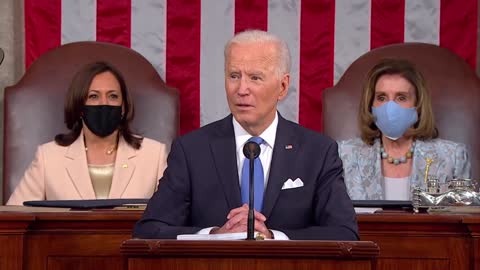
(400,160)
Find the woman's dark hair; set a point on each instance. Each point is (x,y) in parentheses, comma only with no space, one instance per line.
(77,96)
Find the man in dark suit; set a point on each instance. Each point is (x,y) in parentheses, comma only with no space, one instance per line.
(200,192)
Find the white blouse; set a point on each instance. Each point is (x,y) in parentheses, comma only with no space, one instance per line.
(397,189)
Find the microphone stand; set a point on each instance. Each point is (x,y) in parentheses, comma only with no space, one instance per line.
(250,219)
(251,150)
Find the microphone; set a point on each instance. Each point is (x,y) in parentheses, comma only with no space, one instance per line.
(251,150)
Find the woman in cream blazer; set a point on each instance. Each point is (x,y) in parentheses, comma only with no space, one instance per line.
(100,157)
(61,173)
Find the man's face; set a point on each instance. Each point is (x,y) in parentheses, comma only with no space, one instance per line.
(253,85)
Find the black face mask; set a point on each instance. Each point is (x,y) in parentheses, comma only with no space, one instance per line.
(102,120)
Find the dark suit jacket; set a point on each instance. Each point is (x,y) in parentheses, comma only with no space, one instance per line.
(201,185)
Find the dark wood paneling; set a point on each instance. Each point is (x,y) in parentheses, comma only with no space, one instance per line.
(265,249)
(406,241)
(85,263)
(275,255)
(418,263)
(12,234)
(242,264)
(420,241)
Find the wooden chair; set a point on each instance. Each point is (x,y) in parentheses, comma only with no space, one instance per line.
(34,106)
(2,55)
(454,86)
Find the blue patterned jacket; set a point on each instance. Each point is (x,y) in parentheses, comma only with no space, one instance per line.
(363,170)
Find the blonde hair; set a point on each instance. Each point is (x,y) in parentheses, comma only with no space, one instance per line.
(425,128)
(253,36)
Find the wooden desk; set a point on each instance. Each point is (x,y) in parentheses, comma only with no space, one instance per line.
(274,255)
(422,241)
(91,240)
(66,240)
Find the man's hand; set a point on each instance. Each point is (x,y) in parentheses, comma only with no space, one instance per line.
(237,222)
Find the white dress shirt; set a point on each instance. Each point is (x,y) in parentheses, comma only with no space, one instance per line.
(266,148)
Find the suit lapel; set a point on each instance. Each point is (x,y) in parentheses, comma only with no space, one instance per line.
(77,169)
(223,150)
(124,168)
(284,153)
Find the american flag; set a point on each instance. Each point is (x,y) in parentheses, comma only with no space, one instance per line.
(184,39)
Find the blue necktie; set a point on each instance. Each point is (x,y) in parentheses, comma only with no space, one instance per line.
(258,182)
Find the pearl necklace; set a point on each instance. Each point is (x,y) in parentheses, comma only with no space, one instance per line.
(400,160)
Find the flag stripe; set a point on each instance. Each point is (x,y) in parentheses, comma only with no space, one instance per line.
(217,29)
(149,31)
(184,40)
(114,21)
(78,20)
(250,14)
(422,21)
(183,58)
(352,25)
(316,59)
(388,18)
(42,27)
(458,28)
(284,21)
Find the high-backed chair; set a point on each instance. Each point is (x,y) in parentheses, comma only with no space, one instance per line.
(454,86)
(2,55)
(34,106)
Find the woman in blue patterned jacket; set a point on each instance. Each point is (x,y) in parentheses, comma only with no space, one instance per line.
(398,138)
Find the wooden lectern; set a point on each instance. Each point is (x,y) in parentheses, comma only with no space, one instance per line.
(275,255)
(31,240)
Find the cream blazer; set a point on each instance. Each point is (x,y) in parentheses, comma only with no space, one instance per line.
(61,172)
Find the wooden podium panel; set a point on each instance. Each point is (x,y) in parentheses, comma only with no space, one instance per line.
(233,255)
(65,240)
(423,241)
(12,231)
(92,239)
(473,223)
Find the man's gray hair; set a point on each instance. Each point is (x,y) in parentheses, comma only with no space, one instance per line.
(254,36)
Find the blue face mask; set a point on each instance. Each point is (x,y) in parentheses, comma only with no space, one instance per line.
(393,120)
